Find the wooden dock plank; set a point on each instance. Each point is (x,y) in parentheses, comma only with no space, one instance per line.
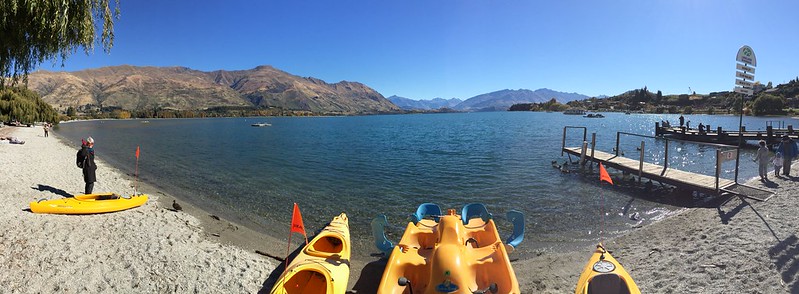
(654,171)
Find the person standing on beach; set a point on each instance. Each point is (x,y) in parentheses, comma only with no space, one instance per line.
(762,158)
(789,150)
(46,130)
(777,163)
(85,160)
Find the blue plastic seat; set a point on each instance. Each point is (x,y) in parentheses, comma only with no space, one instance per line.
(474,210)
(426,209)
(382,243)
(517,219)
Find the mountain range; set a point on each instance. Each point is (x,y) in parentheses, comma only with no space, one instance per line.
(180,88)
(495,101)
(433,104)
(143,87)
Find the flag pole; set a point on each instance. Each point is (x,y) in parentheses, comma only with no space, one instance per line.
(136,173)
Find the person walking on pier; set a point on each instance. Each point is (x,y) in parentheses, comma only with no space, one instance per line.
(789,150)
(762,158)
(682,121)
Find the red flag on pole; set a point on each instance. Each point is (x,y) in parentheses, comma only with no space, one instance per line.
(137,152)
(296,222)
(296,226)
(603,175)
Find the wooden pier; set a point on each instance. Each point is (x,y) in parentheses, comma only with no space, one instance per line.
(659,173)
(713,185)
(726,137)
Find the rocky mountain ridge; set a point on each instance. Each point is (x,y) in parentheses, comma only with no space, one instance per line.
(181,88)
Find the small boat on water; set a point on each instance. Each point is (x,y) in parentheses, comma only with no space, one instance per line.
(261,125)
(594,115)
(449,253)
(574,111)
(88,204)
(603,274)
(323,266)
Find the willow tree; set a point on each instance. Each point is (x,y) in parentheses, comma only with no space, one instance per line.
(33,31)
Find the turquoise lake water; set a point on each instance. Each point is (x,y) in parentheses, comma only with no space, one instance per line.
(389,164)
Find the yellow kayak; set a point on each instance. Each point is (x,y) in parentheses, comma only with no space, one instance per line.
(88,204)
(604,275)
(323,266)
(448,254)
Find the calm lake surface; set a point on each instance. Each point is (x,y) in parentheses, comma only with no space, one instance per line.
(389,164)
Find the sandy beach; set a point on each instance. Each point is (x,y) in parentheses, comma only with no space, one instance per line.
(729,246)
(148,249)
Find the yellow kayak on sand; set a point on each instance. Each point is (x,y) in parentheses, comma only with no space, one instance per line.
(449,254)
(323,266)
(88,204)
(604,275)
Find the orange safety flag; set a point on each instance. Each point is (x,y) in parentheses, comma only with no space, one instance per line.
(137,152)
(603,175)
(296,221)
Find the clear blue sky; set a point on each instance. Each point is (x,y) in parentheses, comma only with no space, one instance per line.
(426,49)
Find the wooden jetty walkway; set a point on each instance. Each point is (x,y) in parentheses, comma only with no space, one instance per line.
(728,137)
(713,185)
(659,173)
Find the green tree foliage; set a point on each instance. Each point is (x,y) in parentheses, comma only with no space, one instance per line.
(551,105)
(25,106)
(32,31)
(766,104)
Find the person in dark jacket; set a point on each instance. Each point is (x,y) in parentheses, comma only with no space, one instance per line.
(85,160)
(789,151)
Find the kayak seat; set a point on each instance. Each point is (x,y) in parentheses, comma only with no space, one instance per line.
(475,210)
(607,284)
(325,247)
(517,236)
(379,234)
(426,209)
(307,281)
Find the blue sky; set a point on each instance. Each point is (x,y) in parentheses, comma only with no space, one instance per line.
(426,49)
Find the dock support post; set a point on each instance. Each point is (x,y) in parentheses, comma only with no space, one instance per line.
(718,168)
(790,129)
(641,163)
(593,147)
(617,143)
(563,145)
(720,137)
(582,154)
(666,157)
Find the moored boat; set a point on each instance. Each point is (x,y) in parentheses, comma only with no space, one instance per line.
(574,111)
(261,125)
(323,265)
(604,275)
(88,204)
(450,253)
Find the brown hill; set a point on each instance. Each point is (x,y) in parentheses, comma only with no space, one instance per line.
(134,87)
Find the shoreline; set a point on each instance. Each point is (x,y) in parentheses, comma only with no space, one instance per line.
(144,249)
(694,250)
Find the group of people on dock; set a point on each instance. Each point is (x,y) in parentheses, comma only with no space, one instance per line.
(784,154)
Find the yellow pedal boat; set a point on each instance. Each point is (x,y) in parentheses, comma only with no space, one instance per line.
(88,204)
(323,266)
(604,275)
(450,255)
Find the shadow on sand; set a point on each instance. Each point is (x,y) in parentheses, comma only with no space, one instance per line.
(53,190)
(785,255)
